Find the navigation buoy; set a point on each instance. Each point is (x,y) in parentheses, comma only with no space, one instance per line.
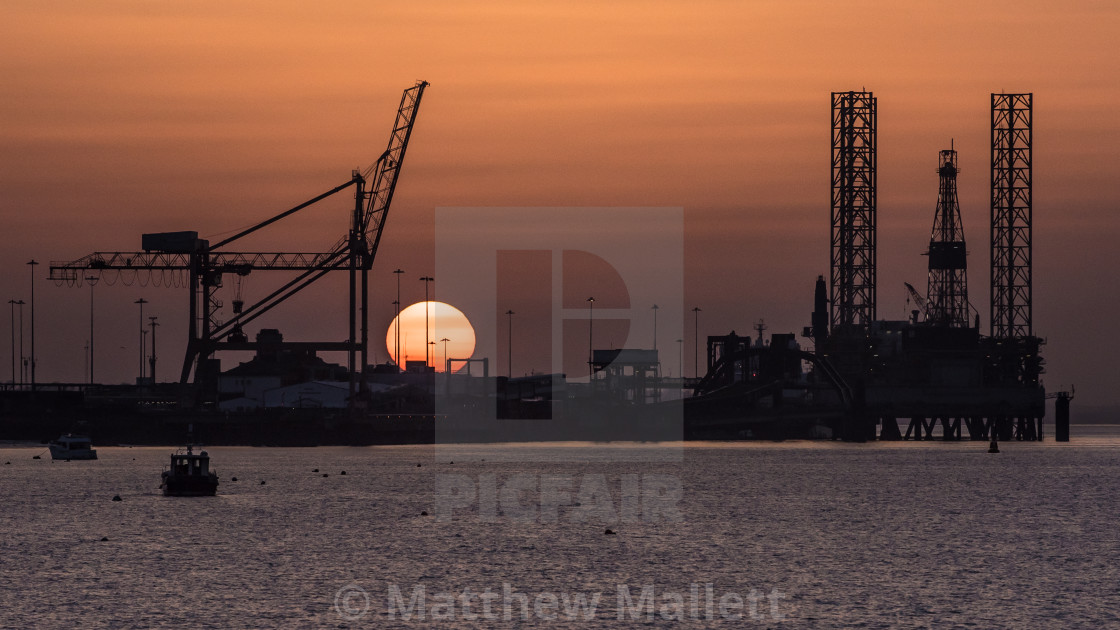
(233,478)
(262,482)
(993,447)
(104,539)
(424,513)
(116,497)
(342,473)
(417,465)
(609,532)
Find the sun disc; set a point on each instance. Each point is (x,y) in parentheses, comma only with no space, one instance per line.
(444,322)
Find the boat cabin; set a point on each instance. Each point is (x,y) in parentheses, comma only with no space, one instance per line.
(190,465)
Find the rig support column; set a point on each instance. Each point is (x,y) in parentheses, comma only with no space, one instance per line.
(854,175)
(1016,355)
(1012,209)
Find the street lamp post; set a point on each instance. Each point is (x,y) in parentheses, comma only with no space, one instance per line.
(13,346)
(590,338)
(144,343)
(152,359)
(13,303)
(655,308)
(445,340)
(680,358)
(141,302)
(509,315)
(426,280)
(22,356)
(696,345)
(32,264)
(397,335)
(92,280)
(397,354)
(430,357)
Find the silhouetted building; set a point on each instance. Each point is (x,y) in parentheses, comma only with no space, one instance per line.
(276,365)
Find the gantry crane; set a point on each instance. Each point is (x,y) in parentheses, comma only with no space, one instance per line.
(204,265)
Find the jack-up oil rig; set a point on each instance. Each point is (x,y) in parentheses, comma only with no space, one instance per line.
(204,265)
(936,368)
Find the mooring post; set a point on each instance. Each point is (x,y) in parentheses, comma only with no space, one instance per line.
(1061,417)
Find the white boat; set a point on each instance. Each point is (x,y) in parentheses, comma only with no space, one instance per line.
(72,446)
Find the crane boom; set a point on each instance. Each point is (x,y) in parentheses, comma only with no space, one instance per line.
(230,262)
(918,299)
(387,170)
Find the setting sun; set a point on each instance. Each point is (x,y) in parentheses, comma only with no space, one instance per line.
(445,322)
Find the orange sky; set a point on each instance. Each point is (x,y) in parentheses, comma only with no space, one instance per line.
(122,117)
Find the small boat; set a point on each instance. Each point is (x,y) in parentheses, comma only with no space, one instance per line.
(189,475)
(72,446)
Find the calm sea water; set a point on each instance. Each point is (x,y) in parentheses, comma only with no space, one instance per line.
(816,534)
